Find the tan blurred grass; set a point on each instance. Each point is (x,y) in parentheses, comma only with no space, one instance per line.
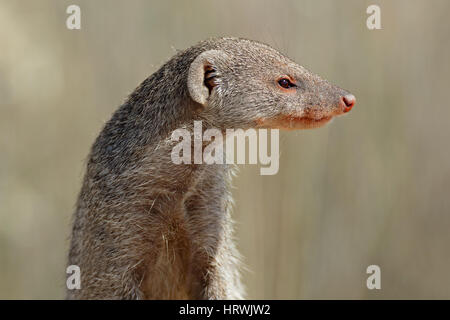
(371,188)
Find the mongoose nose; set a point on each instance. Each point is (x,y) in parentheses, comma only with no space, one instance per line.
(349,101)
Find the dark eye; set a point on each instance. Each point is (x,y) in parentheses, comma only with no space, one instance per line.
(286,83)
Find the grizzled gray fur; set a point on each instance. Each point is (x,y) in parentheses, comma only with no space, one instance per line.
(145,228)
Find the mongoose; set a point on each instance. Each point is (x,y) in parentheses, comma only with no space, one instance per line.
(146,228)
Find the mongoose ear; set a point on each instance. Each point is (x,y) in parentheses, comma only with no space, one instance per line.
(204,74)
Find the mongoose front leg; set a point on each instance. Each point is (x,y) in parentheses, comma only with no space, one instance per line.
(214,254)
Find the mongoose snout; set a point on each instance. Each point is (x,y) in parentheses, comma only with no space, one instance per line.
(317,104)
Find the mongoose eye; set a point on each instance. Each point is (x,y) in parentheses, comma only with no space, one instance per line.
(286,83)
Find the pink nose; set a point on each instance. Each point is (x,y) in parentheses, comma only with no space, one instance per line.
(349,101)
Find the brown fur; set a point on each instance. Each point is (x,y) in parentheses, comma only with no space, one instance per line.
(145,228)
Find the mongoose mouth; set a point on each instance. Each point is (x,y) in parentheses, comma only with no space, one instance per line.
(292,122)
(304,122)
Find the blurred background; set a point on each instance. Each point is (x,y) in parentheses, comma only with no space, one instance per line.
(372,187)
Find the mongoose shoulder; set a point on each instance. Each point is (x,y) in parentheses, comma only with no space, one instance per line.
(146,228)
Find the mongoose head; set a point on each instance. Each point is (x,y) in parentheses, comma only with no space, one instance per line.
(243,83)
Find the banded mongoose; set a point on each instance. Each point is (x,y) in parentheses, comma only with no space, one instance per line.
(146,228)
